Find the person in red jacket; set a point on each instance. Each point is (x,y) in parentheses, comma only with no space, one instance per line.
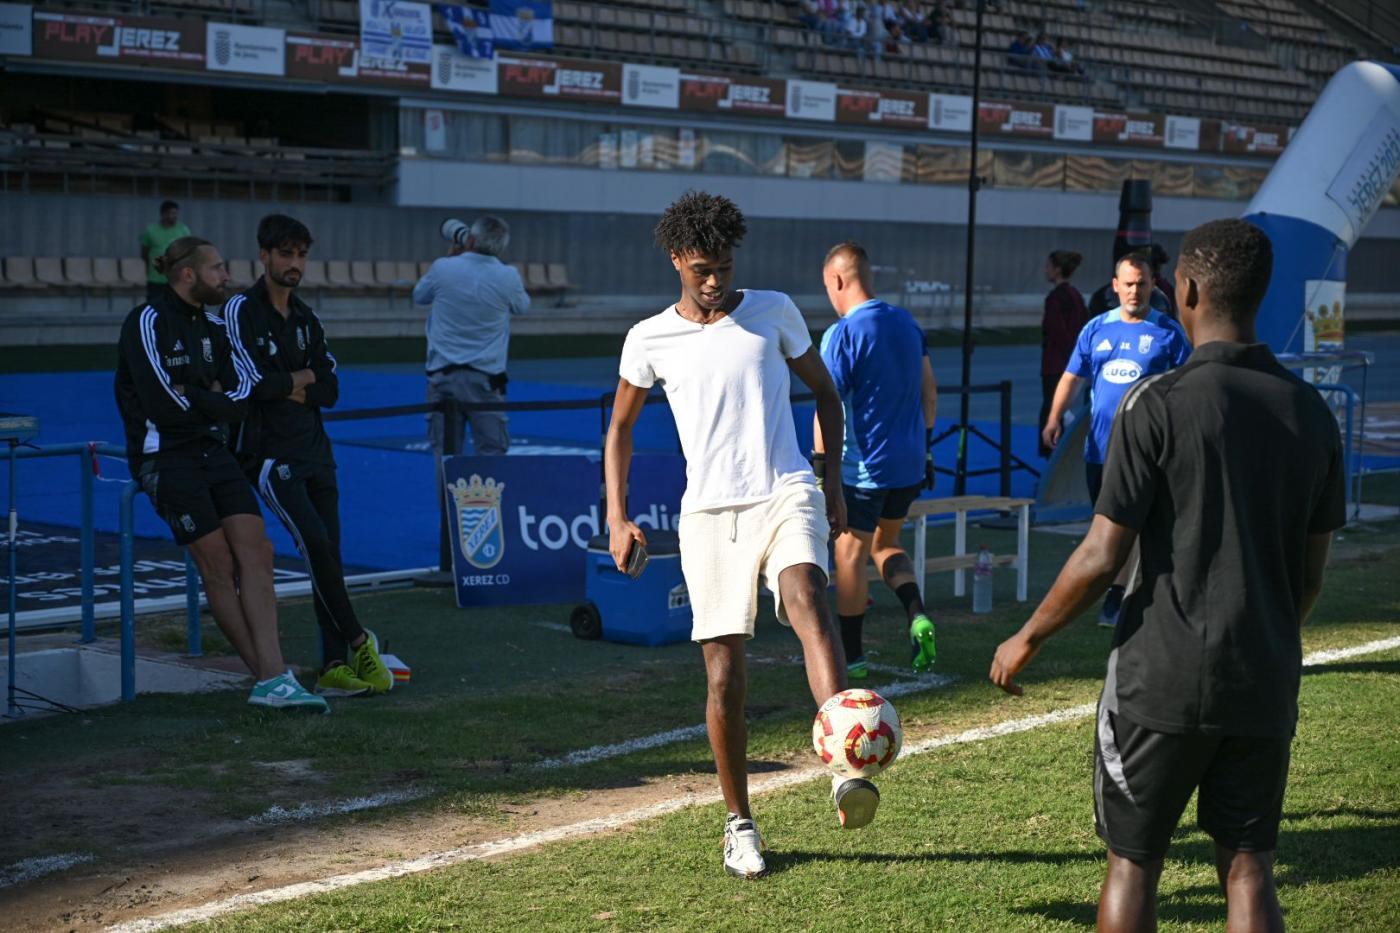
(1065,316)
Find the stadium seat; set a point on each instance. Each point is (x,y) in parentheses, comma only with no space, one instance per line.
(386,274)
(424,266)
(338,274)
(241,273)
(77,270)
(19,273)
(362,274)
(106,272)
(315,274)
(133,271)
(49,270)
(558,276)
(405,271)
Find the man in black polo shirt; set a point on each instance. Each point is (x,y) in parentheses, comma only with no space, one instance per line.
(284,447)
(1229,470)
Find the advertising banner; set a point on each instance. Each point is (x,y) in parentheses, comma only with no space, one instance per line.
(246,49)
(520,526)
(118,39)
(950,112)
(811,100)
(882,108)
(1035,120)
(1256,140)
(1074,123)
(396,31)
(453,71)
(651,86)
(738,94)
(16,33)
(321,58)
(558,79)
(1133,129)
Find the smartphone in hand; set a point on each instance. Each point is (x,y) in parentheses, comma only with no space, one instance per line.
(636,559)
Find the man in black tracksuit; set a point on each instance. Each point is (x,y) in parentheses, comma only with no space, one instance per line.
(178,387)
(284,448)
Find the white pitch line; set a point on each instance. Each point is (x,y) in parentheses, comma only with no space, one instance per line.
(554,627)
(1341,654)
(588,756)
(277,814)
(31,868)
(619,820)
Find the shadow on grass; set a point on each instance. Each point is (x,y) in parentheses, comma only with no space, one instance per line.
(1305,857)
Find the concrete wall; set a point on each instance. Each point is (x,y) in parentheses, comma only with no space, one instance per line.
(600,222)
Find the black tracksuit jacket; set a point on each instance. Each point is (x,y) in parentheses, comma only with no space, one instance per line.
(169,343)
(273,347)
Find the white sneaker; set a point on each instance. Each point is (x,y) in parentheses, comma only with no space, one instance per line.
(284,692)
(743,849)
(856,800)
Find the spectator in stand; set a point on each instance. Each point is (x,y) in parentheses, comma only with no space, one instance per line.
(858,34)
(913,22)
(1160,258)
(154,241)
(1063,61)
(1038,62)
(809,14)
(1065,316)
(949,30)
(1019,52)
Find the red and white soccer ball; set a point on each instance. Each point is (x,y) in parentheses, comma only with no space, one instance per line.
(857,733)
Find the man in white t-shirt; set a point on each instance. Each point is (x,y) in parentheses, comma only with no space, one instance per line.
(752,511)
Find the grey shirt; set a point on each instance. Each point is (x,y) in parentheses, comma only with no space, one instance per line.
(472,298)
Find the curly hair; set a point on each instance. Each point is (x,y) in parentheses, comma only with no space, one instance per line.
(698,222)
(1232,262)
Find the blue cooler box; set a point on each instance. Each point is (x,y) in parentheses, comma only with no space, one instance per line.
(652,610)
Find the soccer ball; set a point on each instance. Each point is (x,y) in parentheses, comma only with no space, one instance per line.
(857,733)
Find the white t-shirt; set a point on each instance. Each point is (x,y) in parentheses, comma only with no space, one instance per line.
(728,385)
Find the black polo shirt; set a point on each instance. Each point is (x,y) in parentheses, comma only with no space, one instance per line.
(1224,466)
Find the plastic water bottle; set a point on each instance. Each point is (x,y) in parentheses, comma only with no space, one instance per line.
(982,581)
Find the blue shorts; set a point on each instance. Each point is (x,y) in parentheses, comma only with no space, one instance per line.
(867,507)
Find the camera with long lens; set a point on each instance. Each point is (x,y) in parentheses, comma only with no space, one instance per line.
(455,231)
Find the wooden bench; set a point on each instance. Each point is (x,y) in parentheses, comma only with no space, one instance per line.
(960,560)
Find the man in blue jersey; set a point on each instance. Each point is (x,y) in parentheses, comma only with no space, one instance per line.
(878,360)
(1116,349)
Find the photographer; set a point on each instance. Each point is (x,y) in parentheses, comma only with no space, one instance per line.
(472,295)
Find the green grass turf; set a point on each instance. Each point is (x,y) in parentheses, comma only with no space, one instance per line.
(989,836)
(494,694)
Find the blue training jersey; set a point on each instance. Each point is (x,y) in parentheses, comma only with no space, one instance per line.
(1112,354)
(876,358)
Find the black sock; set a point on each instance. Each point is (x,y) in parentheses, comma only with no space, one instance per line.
(851,627)
(908,594)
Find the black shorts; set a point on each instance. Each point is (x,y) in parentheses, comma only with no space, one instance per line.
(1143,780)
(1093,478)
(866,507)
(194,498)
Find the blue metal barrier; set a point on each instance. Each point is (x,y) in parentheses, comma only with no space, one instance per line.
(1350,453)
(85,454)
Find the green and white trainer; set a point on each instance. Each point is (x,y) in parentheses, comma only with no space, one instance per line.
(284,692)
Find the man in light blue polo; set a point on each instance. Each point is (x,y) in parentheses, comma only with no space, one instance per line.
(1115,350)
(880,365)
(473,296)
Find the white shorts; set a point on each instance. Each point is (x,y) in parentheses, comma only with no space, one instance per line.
(725,553)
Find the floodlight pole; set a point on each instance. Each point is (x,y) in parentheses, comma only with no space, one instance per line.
(973,184)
